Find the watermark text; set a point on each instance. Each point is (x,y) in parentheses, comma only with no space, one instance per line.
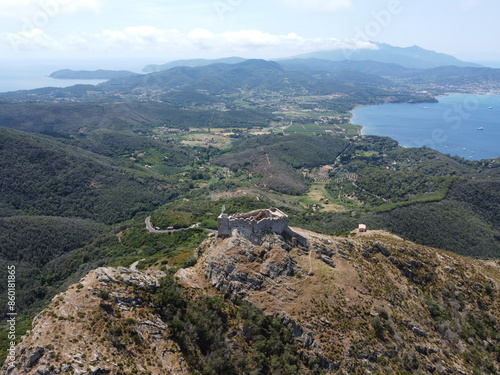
(222,7)
(11,314)
(47,10)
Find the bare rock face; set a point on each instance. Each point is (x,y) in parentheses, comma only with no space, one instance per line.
(237,266)
(101,325)
(33,357)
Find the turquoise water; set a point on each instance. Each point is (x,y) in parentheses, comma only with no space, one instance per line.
(463,125)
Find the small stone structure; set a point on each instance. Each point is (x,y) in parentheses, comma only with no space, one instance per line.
(362,228)
(255,224)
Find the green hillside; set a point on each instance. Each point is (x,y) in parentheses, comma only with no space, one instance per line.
(275,161)
(82,167)
(31,243)
(41,176)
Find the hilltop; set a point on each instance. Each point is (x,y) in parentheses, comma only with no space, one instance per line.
(191,63)
(410,57)
(331,304)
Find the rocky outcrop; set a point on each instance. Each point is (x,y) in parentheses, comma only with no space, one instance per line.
(372,301)
(236,266)
(102,325)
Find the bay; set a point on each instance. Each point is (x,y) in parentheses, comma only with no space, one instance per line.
(21,76)
(17,74)
(465,125)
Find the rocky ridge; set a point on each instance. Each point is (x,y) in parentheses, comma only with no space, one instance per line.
(368,303)
(372,302)
(102,325)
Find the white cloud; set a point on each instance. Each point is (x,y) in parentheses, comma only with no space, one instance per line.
(30,40)
(149,39)
(318,5)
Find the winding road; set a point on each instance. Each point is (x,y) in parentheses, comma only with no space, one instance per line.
(151,229)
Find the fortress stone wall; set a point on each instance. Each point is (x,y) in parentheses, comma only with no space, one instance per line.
(255,224)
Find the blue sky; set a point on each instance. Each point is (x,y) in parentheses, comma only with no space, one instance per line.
(161,31)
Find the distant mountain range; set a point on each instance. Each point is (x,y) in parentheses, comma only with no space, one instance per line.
(411,65)
(311,76)
(408,57)
(191,63)
(314,76)
(252,74)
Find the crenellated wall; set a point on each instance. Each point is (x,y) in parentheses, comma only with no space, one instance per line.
(255,224)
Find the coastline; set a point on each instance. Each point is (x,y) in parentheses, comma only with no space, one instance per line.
(433,99)
(460,124)
(478,93)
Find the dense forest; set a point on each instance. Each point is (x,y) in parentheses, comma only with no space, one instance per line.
(41,176)
(61,119)
(32,243)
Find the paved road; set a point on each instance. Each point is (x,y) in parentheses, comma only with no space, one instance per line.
(150,228)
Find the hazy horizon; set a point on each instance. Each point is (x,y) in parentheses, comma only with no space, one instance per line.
(137,64)
(35,30)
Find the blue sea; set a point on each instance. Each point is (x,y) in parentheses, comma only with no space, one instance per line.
(460,124)
(28,74)
(17,75)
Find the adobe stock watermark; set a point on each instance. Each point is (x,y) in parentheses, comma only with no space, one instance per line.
(11,315)
(380,20)
(47,10)
(461,112)
(222,7)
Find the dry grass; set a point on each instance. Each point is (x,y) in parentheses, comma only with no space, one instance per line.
(317,193)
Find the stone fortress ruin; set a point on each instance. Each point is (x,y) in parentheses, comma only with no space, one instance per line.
(254,225)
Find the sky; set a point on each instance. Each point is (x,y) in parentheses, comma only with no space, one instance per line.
(157,31)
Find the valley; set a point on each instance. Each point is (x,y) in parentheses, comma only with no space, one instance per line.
(81,168)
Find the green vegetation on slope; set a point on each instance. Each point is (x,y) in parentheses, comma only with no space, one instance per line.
(31,243)
(419,194)
(275,160)
(450,225)
(39,239)
(82,246)
(94,168)
(41,176)
(201,326)
(83,118)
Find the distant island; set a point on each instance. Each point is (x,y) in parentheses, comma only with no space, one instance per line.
(86,74)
